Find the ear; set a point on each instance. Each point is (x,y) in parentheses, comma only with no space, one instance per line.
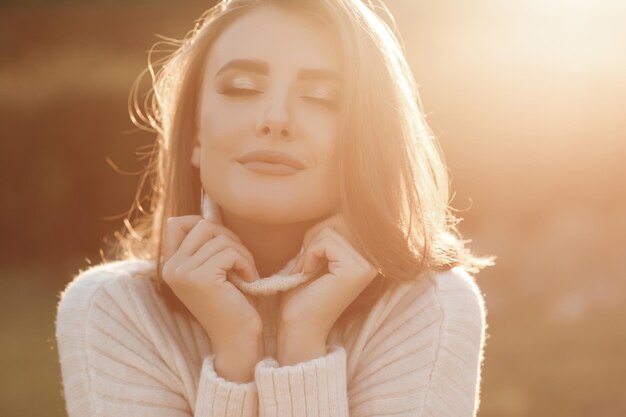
(195,156)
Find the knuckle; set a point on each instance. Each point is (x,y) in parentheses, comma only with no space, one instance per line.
(328,231)
(209,224)
(189,218)
(367,269)
(195,274)
(307,237)
(170,226)
(201,278)
(169,266)
(231,252)
(172,275)
(232,235)
(166,272)
(181,271)
(200,224)
(204,223)
(223,240)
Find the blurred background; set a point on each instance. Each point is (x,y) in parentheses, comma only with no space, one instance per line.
(527,99)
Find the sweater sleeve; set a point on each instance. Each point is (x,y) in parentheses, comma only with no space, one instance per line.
(419,355)
(425,357)
(220,397)
(118,357)
(313,388)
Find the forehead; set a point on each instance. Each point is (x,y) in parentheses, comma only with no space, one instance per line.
(283,38)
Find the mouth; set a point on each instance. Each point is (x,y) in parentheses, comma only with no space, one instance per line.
(269,168)
(271,163)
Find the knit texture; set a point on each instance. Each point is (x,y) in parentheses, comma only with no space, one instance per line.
(417,351)
(280,281)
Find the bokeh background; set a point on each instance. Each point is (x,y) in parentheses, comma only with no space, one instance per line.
(526,97)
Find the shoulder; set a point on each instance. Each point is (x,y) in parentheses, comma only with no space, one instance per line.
(96,328)
(442,316)
(428,335)
(94,282)
(442,294)
(457,293)
(112,298)
(450,306)
(454,293)
(117,338)
(436,309)
(122,349)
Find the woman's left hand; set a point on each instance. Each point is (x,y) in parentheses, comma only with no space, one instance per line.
(309,311)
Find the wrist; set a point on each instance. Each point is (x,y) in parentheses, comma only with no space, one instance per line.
(241,342)
(239,370)
(296,347)
(235,360)
(237,363)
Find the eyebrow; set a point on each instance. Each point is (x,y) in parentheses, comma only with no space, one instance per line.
(262,68)
(246,65)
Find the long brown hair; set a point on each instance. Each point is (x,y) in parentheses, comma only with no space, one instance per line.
(393,181)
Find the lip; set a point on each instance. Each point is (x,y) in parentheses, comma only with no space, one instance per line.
(271,158)
(266,168)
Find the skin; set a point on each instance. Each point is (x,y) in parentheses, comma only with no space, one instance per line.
(270,217)
(198,254)
(281,112)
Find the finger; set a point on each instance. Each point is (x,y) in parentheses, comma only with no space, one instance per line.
(320,251)
(203,231)
(218,244)
(337,235)
(227,259)
(315,229)
(336,224)
(300,259)
(176,229)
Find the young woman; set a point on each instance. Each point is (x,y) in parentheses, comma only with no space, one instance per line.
(299,257)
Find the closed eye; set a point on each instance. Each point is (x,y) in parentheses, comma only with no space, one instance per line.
(240,85)
(330,103)
(239,91)
(324,96)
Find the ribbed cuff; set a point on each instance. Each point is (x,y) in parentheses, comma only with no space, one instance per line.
(313,388)
(218,397)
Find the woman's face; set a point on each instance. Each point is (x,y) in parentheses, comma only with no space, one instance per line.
(271,83)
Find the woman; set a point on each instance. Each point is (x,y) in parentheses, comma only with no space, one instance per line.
(299,256)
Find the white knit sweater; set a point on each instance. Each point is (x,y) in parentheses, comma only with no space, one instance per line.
(123,352)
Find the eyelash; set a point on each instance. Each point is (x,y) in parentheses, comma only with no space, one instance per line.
(332,104)
(246,92)
(239,91)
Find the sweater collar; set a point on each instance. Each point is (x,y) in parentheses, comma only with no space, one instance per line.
(280,281)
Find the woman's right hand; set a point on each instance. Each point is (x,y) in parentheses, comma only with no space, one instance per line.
(198,253)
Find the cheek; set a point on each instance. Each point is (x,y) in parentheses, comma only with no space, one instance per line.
(222,122)
(320,127)
(317,123)
(327,168)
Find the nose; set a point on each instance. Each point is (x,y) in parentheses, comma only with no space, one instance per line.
(274,121)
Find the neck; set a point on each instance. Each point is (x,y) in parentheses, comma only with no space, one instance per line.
(271,245)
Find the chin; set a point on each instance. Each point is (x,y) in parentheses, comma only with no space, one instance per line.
(272,213)
(269,211)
